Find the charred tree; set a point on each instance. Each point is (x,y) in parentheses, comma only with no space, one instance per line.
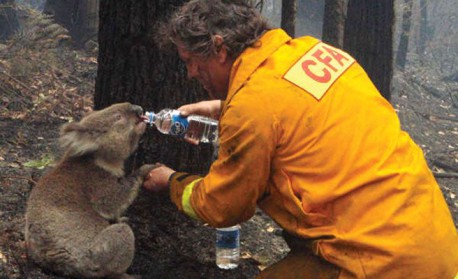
(403,48)
(79,17)
(87,23)
(288,16)
(309,18)
(424,30)
(369,38)
(9,22)
(334,22)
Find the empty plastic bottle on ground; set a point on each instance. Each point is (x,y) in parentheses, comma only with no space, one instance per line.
(228,247)
(194,128)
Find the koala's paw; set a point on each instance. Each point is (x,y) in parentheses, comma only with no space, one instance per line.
(123,219)
(145,169)
(130,276)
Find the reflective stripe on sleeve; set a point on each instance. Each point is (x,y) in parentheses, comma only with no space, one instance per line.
(186,199)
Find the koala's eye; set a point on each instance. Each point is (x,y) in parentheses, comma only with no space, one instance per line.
(118,116)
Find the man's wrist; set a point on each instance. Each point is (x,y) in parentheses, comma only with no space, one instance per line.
(171,177)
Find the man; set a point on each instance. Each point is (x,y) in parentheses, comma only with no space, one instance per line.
(306,136)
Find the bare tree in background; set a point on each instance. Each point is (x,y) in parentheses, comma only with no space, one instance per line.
(369,38)
(79,17)
(309,18)
(9,23)
(442,49)
(334,22)
(403,48)
(424,30)
(288,16)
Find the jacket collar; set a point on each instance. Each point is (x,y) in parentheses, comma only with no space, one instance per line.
(251,58)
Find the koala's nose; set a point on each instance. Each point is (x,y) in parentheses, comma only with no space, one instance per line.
(137,109)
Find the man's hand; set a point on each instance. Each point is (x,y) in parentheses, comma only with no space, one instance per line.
(210,109)
(158,179)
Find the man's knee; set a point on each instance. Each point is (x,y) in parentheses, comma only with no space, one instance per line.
(301,262)
(301,265)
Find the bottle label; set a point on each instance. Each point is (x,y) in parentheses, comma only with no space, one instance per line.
(179,125)
(228,239)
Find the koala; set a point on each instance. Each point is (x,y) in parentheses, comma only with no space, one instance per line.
(74,214)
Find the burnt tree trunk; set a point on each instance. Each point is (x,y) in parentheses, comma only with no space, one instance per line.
(424,30)
(403,48)
(288,16)
(9,23)
(79,17)
(87,24)
(334,22)
(369,38)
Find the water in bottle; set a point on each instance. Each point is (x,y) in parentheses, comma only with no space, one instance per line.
(228,247)
(201,129)
(194,128)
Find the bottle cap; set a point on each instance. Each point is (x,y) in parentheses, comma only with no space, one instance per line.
(149,117)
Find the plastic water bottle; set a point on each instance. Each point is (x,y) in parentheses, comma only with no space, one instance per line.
(194,128)
(228,247)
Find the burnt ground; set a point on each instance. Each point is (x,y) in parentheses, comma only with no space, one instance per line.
(43,87)
(177,247)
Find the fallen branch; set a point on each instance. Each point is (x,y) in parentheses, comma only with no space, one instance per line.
(445,174)
(19,177)
(439,163)
(434,117)
(16,80)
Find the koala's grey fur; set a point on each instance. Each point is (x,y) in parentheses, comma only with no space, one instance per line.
(70,213)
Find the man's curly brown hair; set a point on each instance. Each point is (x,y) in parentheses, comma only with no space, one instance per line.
(195,24)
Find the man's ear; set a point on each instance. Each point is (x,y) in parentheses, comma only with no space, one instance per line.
(220,48)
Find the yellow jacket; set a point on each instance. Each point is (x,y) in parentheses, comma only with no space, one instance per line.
(306,136)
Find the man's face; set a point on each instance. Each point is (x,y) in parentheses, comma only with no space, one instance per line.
(212,72)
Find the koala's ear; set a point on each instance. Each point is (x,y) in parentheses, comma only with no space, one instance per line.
(77,140)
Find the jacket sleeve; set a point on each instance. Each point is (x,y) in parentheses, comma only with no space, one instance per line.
(228,194)
(181,183)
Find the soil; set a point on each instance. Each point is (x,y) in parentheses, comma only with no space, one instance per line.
(35,106)
(177,247)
